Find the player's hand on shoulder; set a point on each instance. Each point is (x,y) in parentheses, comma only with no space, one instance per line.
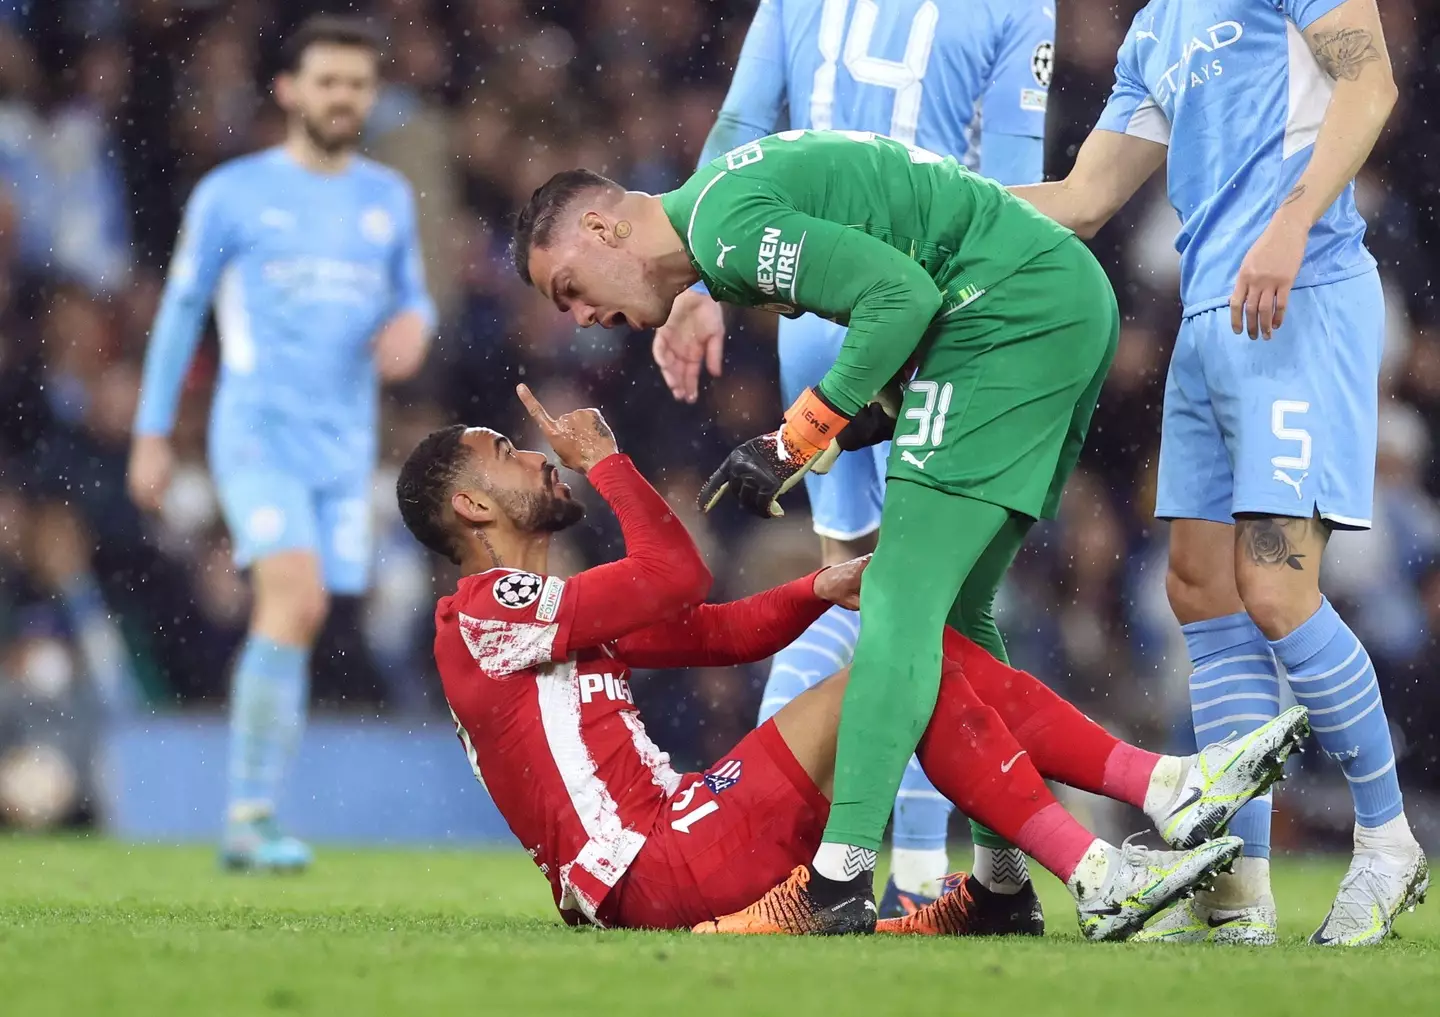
(840,584)
(148,475)
(581,438)
(1262,287)
(693,335)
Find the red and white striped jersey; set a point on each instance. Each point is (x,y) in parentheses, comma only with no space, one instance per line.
(537,673)
(558,743)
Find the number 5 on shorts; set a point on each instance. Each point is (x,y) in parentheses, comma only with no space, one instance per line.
(930,415)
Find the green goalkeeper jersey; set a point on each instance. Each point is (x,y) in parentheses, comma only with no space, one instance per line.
(857,228)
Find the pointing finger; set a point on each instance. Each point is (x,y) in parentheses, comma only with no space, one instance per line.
(537,412)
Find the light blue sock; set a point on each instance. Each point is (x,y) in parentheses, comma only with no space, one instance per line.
(922,814)
(824,648)
(1234,688)
(267,715)
(1331,675)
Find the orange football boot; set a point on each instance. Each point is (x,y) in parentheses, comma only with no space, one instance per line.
(790,910)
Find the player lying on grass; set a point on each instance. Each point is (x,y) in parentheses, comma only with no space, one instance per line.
(1011,324)
(536,671)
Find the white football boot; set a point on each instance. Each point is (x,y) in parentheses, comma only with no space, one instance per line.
(1225,775)
(1382,881)
(1117,890)
(1190,921)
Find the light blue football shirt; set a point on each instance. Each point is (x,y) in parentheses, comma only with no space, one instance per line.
(304,269)
(1232,88)
(921,71)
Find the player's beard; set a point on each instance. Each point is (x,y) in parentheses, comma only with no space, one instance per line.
(330,140)
(543,511)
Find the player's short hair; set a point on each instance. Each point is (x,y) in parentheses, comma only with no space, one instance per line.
(331,30)
(424,487)
(535,223)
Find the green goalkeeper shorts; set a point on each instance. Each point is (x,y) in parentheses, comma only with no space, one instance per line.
(1006,385)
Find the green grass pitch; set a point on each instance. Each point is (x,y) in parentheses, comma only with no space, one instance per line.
(95,927)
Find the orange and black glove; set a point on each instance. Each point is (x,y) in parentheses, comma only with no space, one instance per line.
(764,468)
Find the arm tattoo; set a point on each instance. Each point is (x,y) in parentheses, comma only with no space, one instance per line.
(1296,193)
(1344,53)
(1267,541)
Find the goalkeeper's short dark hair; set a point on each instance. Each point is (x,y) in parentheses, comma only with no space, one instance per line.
(535,223)
(333,30)
(424,487)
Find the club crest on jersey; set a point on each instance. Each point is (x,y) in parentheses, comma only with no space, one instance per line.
(726,775)
(518,589)
(1042,63)
(376,225)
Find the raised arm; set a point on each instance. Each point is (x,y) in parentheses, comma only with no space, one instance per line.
(662,573)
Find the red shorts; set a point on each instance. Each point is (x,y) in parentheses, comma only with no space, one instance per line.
(726,837)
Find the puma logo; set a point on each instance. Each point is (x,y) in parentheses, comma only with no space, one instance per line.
(724,250)
(1005,767)
(1287,480)
(909,457)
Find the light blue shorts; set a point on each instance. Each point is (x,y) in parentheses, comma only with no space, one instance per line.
(845,502)
(1282,428)
(270,511)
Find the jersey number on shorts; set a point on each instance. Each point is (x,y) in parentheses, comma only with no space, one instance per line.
(930,415)
(1287,466)
(905,77)
(682,803)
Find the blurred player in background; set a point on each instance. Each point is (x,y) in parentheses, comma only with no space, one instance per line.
(1269,108)
(927,74)
(310,255)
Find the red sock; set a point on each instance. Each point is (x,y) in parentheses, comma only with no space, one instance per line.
(974,760)
(1066,745)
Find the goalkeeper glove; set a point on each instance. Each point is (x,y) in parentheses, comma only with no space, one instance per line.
(764,468)
(874,423)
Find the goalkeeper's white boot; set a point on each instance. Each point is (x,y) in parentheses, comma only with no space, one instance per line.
(1117,890)
(1384,879)
(1222,777)
(1192,921)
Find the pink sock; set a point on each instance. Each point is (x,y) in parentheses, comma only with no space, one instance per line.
(1127,774)
(1055,839)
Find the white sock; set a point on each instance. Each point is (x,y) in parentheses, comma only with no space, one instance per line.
(1091,870)
(1240,889)
(1001,870)
(843,862)
(1391,838)
(919,870)
(1165,782)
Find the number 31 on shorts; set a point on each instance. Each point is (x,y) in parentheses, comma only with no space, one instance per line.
(930,418)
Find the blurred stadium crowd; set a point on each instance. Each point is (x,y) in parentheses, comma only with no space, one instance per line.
(110,110)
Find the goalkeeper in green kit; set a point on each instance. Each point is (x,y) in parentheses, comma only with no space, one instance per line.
(979,334)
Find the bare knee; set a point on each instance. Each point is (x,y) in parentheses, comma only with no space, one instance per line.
(290,599)
(1200,579)
(1277,571)
(834,551)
